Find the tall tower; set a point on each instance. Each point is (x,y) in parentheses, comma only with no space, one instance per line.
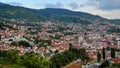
(80,39)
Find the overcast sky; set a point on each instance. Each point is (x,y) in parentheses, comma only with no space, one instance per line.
(105,8)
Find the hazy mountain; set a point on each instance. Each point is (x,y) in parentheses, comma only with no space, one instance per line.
(58,15)
(54,13)
(115,21)
(9,11)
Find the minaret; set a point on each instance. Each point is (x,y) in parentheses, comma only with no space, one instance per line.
(80,40)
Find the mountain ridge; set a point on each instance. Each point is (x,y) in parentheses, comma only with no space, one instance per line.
(52,14)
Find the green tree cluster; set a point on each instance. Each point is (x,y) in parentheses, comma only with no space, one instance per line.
(42,43)
(24,43)
(112,52)
(98,56)
(62,59)
(28,60)
(103,53)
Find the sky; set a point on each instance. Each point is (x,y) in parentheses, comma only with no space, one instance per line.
(106,8)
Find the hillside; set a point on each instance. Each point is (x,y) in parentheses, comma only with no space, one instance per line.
(9,11)
(115,21)
(56,15)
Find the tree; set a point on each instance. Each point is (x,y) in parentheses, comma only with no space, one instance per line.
(71,46)
(14,43)
(67,57)
(10,55)
(28,60)
(24,43)
(112,52)
(103,53)
(114,39)
(0,37)
(104,64)
(32,60)
(98,57)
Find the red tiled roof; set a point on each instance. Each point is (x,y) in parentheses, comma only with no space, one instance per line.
(116,60)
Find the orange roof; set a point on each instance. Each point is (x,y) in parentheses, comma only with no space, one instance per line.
(74,65)
(116,60)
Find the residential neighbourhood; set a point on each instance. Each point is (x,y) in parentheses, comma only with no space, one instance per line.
(60,41)
(59,34)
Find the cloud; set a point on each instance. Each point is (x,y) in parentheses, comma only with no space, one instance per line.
(57,5)
(114,14)
(92,3)
(74,5)
(15,3)
(104,4)
(109,4)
